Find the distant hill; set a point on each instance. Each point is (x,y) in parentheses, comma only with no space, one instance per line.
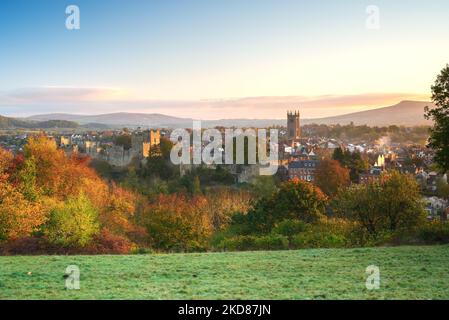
(407,113)
(119,119)
(11,123)
(7,123)
(154,120)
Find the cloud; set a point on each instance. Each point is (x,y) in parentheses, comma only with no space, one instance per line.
(31,101)
(59,94)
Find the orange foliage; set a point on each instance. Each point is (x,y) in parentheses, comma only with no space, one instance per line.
(331,177)
(6,158)
(117,216)
(34,183)
(18,216)
(61,176)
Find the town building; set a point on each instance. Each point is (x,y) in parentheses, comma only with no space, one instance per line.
(303,170)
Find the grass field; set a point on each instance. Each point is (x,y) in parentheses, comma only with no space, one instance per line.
(405,273)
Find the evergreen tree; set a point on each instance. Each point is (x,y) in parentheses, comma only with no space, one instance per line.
(439,133)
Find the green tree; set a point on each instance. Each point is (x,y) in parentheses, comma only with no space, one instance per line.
(439,133)
(390,205)
(295,200)
(158,166)
(73,223)
(339,155)
(165,148)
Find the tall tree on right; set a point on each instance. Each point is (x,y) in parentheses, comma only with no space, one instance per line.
(439,133)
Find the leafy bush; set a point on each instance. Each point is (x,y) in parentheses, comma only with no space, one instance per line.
(142,251)
(327,233)
(238,243)
(271,242)
(310,239)
(108,243)
(434,232)
(103,243)
(27,246)
(244,243)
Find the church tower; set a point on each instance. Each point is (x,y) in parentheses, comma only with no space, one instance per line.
(293,125)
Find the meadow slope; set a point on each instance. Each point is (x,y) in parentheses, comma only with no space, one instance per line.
(406,273)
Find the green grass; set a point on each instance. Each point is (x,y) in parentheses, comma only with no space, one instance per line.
(406,273)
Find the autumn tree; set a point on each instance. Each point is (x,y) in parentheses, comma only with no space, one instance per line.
(119,213)
(6,159)
(331,177)
(439,133)
(176,223)
(44,192)
(47,161)
(19,217)
(222,204)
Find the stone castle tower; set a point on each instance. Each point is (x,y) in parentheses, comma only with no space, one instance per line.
(142,142)
(293,125)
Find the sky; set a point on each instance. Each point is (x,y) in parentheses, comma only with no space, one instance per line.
(215,59)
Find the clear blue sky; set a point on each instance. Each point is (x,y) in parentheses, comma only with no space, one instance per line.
(218,49)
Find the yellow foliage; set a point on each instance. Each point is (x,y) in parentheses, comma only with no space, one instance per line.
(18,216)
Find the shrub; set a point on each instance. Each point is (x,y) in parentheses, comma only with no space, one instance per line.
(245,243)
(271,242)
(434,232)
(310,239)
(142,251)
(103,243)
(327,233)
(108,243)
(238,243)
(28,246)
